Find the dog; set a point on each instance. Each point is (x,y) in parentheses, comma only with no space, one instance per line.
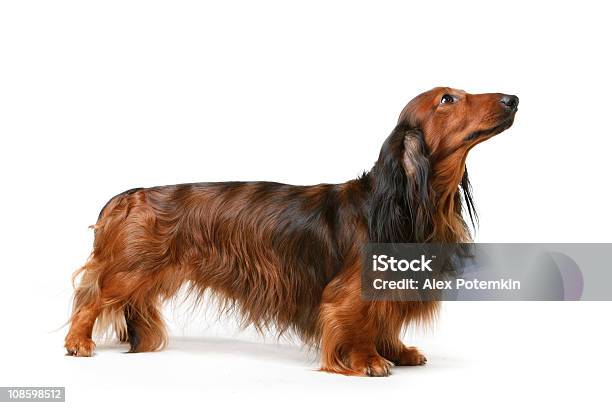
(287,257)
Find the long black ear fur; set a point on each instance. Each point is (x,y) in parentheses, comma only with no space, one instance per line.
(400,208)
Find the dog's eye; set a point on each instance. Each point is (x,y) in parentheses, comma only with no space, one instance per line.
(446,98)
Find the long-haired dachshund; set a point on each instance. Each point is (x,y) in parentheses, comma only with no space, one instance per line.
(289,257)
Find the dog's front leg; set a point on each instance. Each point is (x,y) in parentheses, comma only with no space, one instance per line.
(349,329)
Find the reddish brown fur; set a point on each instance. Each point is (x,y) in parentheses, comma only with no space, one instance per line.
(287,257)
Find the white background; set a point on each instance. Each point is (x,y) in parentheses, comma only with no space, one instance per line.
(96,98)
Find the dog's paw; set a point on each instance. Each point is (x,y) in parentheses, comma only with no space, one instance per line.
(411,356)
(80,347)
(374,366)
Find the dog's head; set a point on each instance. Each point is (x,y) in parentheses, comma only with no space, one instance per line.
(453,121)
(421,167)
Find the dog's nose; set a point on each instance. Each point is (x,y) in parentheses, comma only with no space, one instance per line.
(510,101)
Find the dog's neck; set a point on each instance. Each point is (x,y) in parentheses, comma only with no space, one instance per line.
(448,222)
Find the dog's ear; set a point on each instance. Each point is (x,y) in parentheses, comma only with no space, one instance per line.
(416,166)
(418,188)
(400,205)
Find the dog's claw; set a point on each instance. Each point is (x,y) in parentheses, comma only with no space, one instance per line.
(79,347)
(377,367)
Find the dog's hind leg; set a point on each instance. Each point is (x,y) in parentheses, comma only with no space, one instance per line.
(126,278)
(145,327)
(124,302)
(78,341)
(86,308)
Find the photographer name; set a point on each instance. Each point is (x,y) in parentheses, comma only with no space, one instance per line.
(438,284)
